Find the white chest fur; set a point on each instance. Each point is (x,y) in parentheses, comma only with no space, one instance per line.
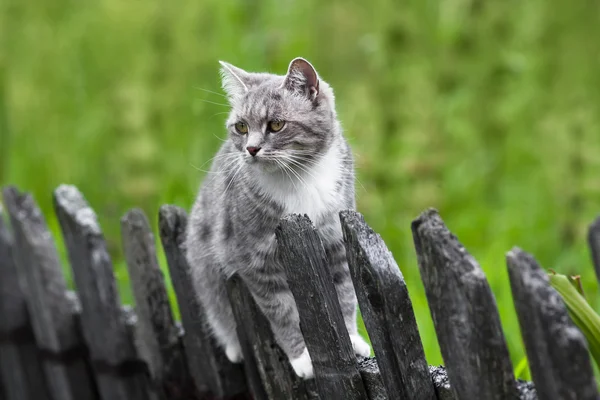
(315,194)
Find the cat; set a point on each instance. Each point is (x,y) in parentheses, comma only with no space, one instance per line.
(284,154)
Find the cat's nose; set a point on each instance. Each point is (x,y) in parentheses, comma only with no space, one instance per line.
(253,150)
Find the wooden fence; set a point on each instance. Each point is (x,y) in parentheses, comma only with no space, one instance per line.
(61,345)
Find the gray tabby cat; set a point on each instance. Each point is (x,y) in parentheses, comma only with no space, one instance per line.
(285,154)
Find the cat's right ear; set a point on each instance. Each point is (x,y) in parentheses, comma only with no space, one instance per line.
(234,81)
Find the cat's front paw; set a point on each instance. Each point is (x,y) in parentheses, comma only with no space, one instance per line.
(303,365)
(359,345)
(233,352)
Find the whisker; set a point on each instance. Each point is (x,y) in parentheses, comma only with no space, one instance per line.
(219,113)
(222,140)
(233,178)
(314,162)
(225,157)
(361,185)
(219,156)
(215,103)
(299,165)
(221,171)
(198,168)
(210,91)
(300,178)
(285,168)
(228,164)
(302,159)
(295,160)
(217,172)
(304,169)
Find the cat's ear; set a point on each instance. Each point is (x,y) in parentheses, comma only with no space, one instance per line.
(235,81)
(302,78)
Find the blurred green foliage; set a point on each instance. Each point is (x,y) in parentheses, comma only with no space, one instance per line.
(486,110)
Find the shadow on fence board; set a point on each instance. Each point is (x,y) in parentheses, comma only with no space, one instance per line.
(60,346)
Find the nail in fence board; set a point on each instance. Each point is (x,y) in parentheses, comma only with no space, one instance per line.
(387,311)
(120,375)
(158,337)
(208,365)
(321,321)
(268,370)
(557,351)
(464,313)
(20,366)
(594,244)
(53,314)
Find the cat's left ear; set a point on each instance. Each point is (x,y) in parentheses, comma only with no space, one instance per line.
(302,78)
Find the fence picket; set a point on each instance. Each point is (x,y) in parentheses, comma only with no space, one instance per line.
(371,376)
(386,309)
(54,315)
(557,351)
(20,366)
(208,365)
(56,345)
(321,321)
(474,350)
(158,337)
(594,244)
(269,373)
(119,374)
(439,376)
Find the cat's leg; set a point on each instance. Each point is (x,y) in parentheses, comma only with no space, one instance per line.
(210,286)
(274,298)
(336,256)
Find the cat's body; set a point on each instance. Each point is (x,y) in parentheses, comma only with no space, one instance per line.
(285,154)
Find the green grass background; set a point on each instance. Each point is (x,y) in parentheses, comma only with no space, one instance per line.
(486,110)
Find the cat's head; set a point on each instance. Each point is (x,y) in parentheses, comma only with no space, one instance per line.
(277,121)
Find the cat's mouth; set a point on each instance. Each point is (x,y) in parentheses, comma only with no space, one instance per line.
(267,162)
(261,160)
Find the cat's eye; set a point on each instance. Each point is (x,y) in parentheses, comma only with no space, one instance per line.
(241,128)
(275,126)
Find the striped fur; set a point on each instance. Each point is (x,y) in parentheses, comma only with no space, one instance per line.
(305,168)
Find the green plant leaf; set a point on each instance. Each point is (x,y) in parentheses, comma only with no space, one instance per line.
(576,281)
(584,316)
(522,370)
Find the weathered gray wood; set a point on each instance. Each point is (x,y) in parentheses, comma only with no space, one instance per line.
(387,311)
(158,337)
(557,351)
(251,369)
(53,314)
(210,369)
(12,301)
(439,376)
(441,383)
(464,313)
(526,390)
(130,319)
(21,369)
(20,366)
(594,243)
(270,376)
(321,320)
(113,354)
(371,376)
